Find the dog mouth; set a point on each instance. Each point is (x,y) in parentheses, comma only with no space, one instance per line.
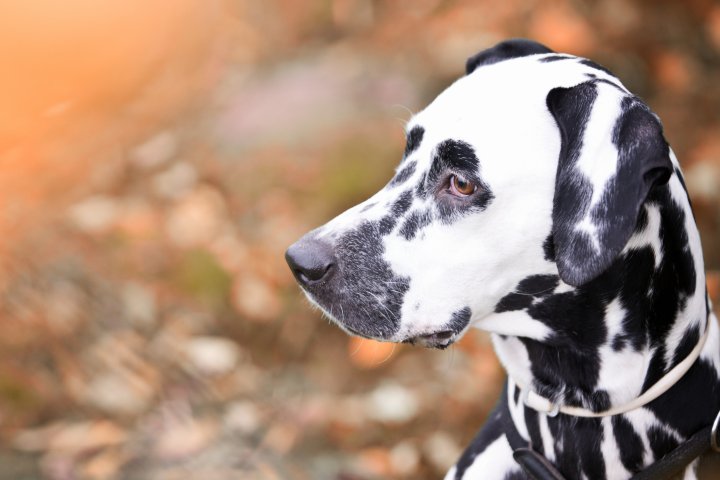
(440,339)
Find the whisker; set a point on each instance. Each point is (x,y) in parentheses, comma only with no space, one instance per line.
(357,349)
(394,346)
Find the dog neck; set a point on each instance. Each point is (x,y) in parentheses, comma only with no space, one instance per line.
(602,344)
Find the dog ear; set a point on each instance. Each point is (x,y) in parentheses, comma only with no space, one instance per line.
(605,171)
(516,47)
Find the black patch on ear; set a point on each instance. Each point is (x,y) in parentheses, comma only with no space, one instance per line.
(414,138)
(514,48)
(643,162)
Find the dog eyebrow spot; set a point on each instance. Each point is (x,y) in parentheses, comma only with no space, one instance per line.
(414,138)
(456,155)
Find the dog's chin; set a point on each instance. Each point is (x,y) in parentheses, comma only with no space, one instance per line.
(439,340)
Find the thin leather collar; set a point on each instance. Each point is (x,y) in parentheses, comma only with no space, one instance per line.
(544,405)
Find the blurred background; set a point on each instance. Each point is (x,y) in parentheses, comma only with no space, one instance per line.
(156,159)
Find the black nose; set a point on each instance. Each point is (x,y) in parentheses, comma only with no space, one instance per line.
(310,260)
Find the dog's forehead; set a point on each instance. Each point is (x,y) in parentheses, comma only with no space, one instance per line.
(506,94)
(500,111)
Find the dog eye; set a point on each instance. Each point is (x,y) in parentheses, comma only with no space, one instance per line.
(461,187)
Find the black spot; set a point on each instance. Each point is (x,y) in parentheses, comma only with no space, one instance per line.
(414,222)
(549,248)
(661,442)
(566,365)
(555,58)
(577,447)
(538,285)
(403,174)
(513,302)
(420,188)
(618,343)
(514,48)
(386,224)
(629,444)
(414,138)
(596,66)
(459,320)
(397,210)
(455,155)
(693,402)
(534,286)
(687,343)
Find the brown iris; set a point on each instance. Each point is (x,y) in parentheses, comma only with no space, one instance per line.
(461,187)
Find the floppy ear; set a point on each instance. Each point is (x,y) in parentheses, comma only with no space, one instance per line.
(516,47)
(605,171)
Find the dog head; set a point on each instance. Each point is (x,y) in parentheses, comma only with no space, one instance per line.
(533,164)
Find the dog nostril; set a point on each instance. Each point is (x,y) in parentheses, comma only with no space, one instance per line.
(312,274)
(310,260)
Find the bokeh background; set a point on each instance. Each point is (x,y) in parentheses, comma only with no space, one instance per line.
(157,157)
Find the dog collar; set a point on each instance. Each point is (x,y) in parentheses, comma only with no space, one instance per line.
(544,405)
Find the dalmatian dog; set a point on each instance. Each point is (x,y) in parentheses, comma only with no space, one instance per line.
(538,200)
